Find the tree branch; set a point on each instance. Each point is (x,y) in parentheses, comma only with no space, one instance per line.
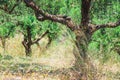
(24,42)
(38,39)
(41,15)
(15,5)
(94,27)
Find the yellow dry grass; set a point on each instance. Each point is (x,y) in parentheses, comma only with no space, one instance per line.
(58,55)
(108,70)
(29,76)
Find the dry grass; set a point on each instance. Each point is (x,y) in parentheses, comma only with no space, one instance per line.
(109,70)
(59,55)
(29,76)
(52,56)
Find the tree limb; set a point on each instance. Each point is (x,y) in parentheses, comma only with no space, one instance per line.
(15,5)
(38,39)
(94,27)
(24,42)
(41,15)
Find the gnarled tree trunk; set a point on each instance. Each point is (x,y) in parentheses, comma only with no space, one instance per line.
(27,42)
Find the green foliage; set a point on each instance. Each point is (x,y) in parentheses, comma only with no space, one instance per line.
(37,28)
(104,11)
(31,23)
(105,44)
(3,2)
(7,57)
(63,7)
(105,40)
(53,30)
(70,8)
(7,29)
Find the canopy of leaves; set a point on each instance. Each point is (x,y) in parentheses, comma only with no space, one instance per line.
(7,29)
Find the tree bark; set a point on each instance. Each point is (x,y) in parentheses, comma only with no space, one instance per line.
(83,62)
(27,42)
(28,50)
(27,47)
(85,10)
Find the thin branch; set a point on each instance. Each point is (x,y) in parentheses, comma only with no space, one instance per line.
(21,32)
(41,15)
(24,42)
(94,27)
(2,8)
(15,5)
(38,39)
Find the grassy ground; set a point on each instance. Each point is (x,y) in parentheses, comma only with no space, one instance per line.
(20,68)
(14,65)
(45,64)
(108,66)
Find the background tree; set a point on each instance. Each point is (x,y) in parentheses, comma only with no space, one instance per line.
(7,30)
(31,31)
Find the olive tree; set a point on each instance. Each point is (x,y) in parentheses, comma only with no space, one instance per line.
(83,31)
(31,31)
